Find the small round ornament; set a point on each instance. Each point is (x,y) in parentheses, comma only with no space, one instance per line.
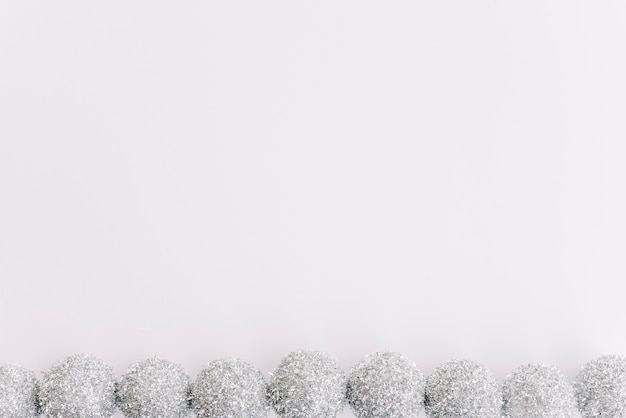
(537,391)
(307,384)
(154,388)
(462,388)
(601,387)
(79,386)
(229,388)
(18,392)
(386,385)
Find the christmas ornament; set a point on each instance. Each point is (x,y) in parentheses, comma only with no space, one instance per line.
(230,388)
(79,386)
(18,392)
(154,388)
(462,388)
(386,385)
(601,387)
(310,384)
(307,384)
(537,391)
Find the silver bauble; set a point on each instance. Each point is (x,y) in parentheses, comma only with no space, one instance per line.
(307,384)
(537,391)
(601,387)
(18,393)
(462,388)
(230,388)
(154,388)
(79,386)
(386,385)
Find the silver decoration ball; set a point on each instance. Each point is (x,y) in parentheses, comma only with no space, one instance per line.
(18,393)
(79,386)
(537,391)
(601,387)
(386,385)
(154,388)
(229,388)
(307,384)
(462,388)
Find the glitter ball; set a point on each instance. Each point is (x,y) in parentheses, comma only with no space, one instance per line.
(229,388)
(79,386)
(601,387)
(386,385)
(154,388)
(307,384)
(536,391)
(18,392)
(462,388)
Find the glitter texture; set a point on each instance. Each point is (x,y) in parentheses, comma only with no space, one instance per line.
(601,387)
(18,393)
(462,388)
(307,384)
(154,388)
(230,388)
(386,385)
(79,386)
(536,391)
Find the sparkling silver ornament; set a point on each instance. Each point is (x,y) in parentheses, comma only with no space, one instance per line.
(154,388)
(307,384)
(18,393)
(230,388)
(79,386)
(537,391)
(462,388)
(386,385)
(601,387)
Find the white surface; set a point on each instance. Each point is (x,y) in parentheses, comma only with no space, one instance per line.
(208,179)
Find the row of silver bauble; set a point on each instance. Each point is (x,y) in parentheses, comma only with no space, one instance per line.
(311,384)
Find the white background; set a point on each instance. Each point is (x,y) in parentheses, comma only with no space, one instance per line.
(197,180)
